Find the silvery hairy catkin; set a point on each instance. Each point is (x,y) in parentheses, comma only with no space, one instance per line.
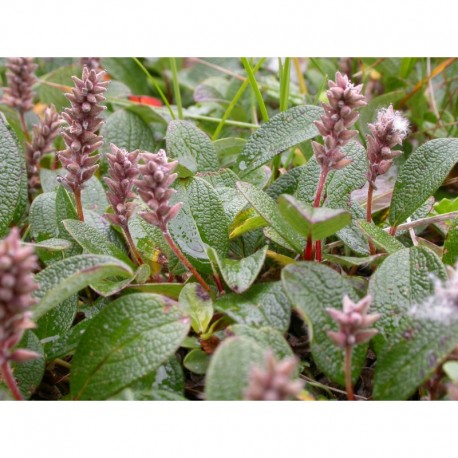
(389,130)
(43,136)
(122,171)
(154,188)
(17,262)
(275,382)
(354,322)
(21,77)
(83,119)
(339,115)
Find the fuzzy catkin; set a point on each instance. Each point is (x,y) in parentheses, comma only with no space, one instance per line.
(339,115)
(20,77)
(17,263)
(43,136)
(389,130)
(154,188)
(274,382)
(83,119)
(354,322)
(122,171)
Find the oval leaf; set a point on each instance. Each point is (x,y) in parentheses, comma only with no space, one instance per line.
(283,131)
(64,278)
(127,341)
(421,176)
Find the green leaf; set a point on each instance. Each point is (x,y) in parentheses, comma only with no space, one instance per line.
(239,275)
(128,130)
(249,224)
(150,242)
(264,304)
(348,179)
(450,255)
(136,325)
(171,290)
(126,70)
(228,149)
(428,165)
(266,207)
(404,279)
(200,222)
(312,288)
(108,287)
(286,183)
(192,147)
(93,196)
(317,223)
(451,369)
(49,94)
(197,361)
(64,278)
(412,356)
(351,235)
(30,373)
(12,184)
(66,344)
(51,244)
(268,338)
(283,131)
(222,178)
(353,261)
(446,206)
(381,238)
(93,241)
(55,323)
(307,181)
(65,209)
(198,305)
(228,373)
(42,217)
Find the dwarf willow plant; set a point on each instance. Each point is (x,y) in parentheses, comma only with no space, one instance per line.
(139,259)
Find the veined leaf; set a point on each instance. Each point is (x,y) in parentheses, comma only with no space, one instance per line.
(267,208)
(12,183)
(198,305)
(94,242)
(381,239)
(239,275)
(264,304)
(127,341)
(318,223)
(405,278)
(312,288)
(229,370)
(283,131)
(421,175)
(64,278)
(192,147)
(127,129)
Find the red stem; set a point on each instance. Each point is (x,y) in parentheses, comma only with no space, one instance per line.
(348,384)
(393,230)
(370,192)
(308,251)
(133,250)
(218,283)
(184,260)
(79,204)
(11,381)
